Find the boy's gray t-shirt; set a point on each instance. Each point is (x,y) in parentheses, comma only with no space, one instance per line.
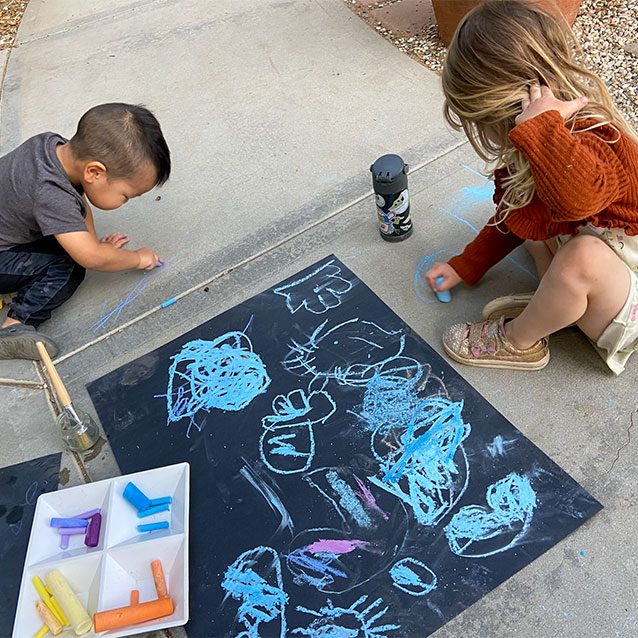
(36,197)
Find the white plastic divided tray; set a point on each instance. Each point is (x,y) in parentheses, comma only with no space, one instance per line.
(102,577)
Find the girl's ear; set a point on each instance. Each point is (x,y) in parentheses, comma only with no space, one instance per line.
(94,172)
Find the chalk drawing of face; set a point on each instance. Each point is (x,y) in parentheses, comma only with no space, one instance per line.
(287,445)
(350,352)
(254,579)
(477,531)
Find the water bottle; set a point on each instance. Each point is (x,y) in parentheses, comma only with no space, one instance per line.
(390,184)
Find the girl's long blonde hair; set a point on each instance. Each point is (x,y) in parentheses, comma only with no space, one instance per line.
(498,51)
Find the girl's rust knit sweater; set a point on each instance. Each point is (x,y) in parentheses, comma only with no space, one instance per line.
(581,178)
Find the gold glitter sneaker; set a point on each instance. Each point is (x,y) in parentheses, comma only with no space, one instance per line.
(509,306)
(484,344)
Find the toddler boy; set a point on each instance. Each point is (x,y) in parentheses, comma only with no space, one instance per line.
(47,234)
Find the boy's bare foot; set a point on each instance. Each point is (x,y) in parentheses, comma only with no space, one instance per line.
(17,341)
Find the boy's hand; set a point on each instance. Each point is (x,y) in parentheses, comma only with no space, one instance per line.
(542,99)
(117,239)
(450,277)
(148,259)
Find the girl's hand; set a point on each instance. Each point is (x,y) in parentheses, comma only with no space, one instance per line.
(542,99)
(450,277)
(117,239)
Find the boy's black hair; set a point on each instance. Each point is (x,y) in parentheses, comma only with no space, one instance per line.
(122,137)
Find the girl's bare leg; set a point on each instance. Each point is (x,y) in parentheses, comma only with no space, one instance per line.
(542,253)
(585,283)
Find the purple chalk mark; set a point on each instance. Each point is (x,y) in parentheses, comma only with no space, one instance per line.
(335,546)
(64,541)
(90,513)
(92,537)
(69,522)
(71,531)
(367,497)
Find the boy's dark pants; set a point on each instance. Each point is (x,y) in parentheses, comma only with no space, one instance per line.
(42,275)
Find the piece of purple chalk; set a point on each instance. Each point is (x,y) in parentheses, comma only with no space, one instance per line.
(71,531)
(64,541)
(69,522)
(92,537)
(90,513)
(154,510)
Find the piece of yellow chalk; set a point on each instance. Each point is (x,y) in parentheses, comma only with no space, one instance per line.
(71,606)
(47,600)
(43,631)
(48,618)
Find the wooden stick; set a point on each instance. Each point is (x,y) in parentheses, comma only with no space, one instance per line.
(56,381)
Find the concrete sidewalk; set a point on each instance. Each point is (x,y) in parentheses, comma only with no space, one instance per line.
(274,111)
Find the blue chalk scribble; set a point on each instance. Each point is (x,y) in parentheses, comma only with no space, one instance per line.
(350,352)
(317,292)
(424,463)
(348,499)
(499,446)
(476,531)
(134,291)
(287,445)
(356,621)
(319,570)
(255,580)
(413,577)
(224,374)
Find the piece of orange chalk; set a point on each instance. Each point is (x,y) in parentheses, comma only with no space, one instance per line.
(135,597)
(125,616)
(158,577)
(48,618)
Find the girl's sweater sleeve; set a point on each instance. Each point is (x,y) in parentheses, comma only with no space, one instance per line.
(490,246)
(577,175)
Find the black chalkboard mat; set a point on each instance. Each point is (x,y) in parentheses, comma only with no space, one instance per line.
(20,486)
(346,481)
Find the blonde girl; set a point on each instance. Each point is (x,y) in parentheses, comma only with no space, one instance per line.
(566,183)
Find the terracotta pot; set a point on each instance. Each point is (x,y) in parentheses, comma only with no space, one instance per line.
(449,12)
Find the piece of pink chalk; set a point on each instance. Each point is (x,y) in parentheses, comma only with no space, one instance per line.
(92,537)
(90,513)
(64,541)
(71,531)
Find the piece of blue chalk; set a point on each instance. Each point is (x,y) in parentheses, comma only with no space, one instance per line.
(151,527)
(136,497)
(443,295)
(154,510)
(163,500)
(69,522)
(169,302)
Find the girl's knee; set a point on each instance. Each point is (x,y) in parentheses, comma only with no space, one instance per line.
(583,257)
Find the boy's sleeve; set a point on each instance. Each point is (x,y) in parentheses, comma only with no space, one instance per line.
(57,211)
(487,249)
(577,175)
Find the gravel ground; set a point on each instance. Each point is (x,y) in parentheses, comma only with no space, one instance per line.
(10,15)
(606,29)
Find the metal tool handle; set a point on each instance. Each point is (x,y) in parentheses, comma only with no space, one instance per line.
(56,381)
